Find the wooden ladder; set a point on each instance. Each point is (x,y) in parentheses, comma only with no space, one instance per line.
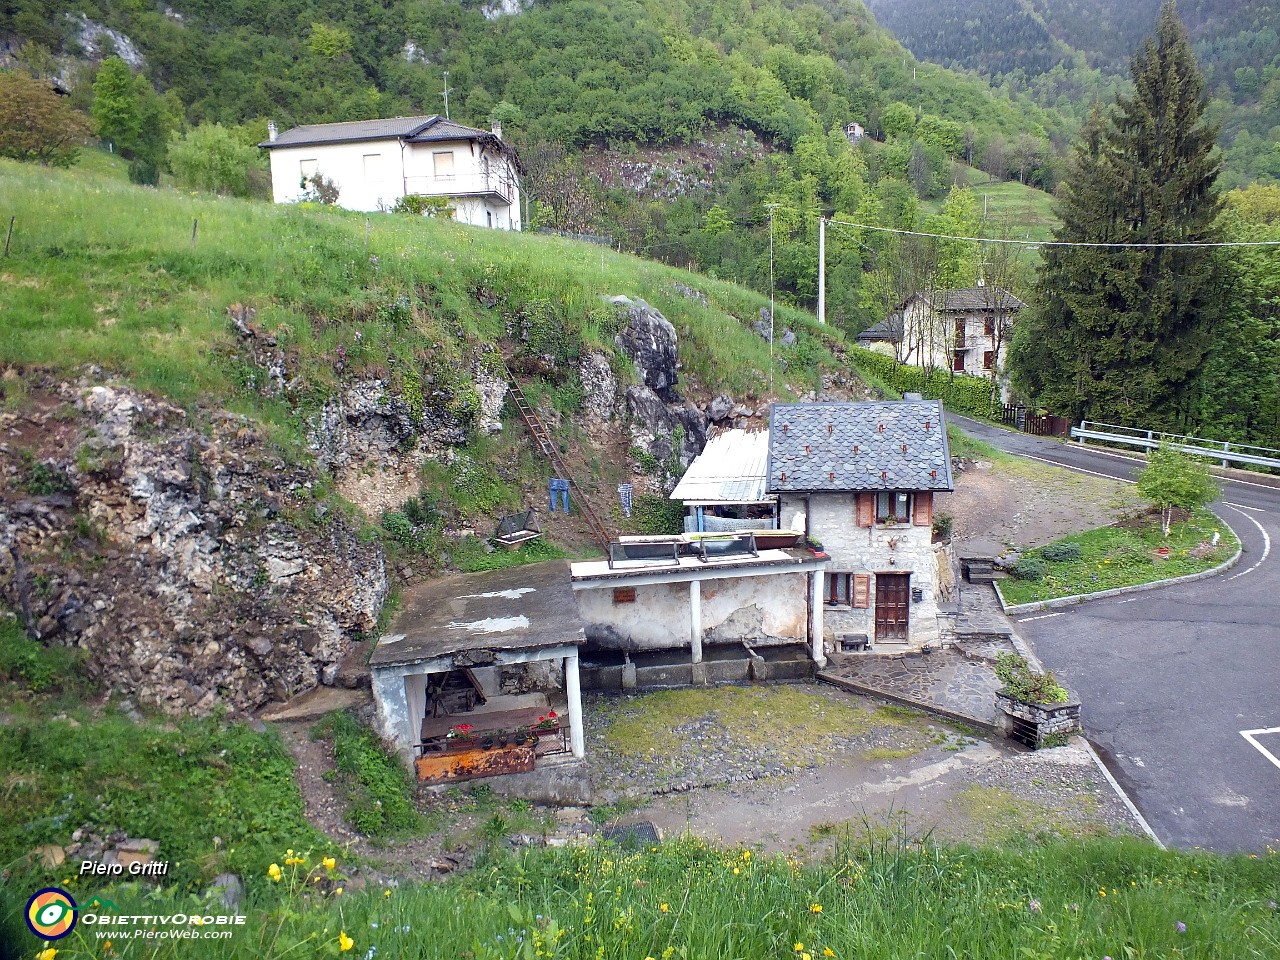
(542,437)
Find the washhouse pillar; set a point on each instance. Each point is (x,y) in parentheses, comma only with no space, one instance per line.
(695,619)
(573,693)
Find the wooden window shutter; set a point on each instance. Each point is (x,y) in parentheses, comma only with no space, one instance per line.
(862,590)
(866,509)
(923,509)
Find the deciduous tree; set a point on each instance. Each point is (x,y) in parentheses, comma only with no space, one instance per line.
(37,124)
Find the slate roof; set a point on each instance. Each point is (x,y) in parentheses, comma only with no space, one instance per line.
(414,129)
(890,330)
(730,469)
(813,445)
(965,299)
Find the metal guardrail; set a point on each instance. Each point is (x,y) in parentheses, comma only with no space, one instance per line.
(1221,450)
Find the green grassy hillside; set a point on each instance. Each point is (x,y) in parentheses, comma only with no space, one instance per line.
(137,282)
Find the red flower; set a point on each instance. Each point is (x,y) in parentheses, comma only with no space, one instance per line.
(551,715)
(542,719)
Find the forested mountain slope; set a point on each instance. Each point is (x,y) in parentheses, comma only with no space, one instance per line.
(1067,53)
(583,70)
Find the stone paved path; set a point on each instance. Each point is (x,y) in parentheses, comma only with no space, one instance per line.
(957,681)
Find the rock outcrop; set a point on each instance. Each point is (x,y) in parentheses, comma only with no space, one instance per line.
(662,424)
(195,566)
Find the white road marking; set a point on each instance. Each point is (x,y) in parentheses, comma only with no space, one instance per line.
(1252,735)
(1130,600)
(1241,506)
(1067,466)
(1266,542)
(1045,616)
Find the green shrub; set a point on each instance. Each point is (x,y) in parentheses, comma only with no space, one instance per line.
(657,515)
(399,527)
(417,205)
(1065,551)
(1023,683)
(960,393)
(1030,568)
(379,789)
(35,666)
(942,525)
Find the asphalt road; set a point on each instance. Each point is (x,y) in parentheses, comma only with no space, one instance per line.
(1169,679)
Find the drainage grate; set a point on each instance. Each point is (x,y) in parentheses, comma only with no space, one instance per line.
(1024,732)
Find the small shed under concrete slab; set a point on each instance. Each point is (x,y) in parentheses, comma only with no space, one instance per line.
(483,624)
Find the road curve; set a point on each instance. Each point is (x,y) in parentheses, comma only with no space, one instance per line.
(1180,685)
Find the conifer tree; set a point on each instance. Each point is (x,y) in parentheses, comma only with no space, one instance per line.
(1120,333)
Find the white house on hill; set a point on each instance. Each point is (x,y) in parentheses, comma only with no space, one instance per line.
(376,162)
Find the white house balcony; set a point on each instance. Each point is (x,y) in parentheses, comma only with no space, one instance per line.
(497,187)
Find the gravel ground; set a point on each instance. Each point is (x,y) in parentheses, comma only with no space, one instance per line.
(794,790)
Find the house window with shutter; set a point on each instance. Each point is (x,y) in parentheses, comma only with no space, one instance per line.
(957,361)
(893,506)
(861,591)
(839,589)
(989,326)
(988,359)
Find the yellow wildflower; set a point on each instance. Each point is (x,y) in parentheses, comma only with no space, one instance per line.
(828,952)
(664,907)
(805,956)
(815,908)
(273,872)
(386,893)
(48,954)
(345,943)
(746,854)
(799,946)
(736,871)
(338,892)
(329,863)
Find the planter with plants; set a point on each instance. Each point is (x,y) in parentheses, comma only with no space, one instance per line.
(1034,707)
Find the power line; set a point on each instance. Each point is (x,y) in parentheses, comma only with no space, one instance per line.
(1055,243)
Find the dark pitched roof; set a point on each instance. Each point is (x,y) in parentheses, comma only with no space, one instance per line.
(813,445)
(315,133)
(889,329)
(414,129)
(963,299)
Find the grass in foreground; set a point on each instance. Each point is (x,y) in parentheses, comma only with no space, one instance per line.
(1117,556)
(889,898)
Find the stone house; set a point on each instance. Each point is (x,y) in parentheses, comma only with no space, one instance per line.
(860,479)
(376,162)
(965,329)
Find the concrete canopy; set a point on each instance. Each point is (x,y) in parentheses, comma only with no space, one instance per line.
(522,608)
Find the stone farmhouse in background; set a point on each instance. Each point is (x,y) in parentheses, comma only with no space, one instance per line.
(964,329)
(376,162)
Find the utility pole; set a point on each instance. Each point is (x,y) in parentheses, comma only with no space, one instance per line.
(822,269)
(771,208)
(447,90)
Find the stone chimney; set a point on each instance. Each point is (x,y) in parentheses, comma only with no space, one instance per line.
(272,132)
(497,129)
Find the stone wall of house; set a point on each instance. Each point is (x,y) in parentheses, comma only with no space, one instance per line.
(901,548)
(763,611)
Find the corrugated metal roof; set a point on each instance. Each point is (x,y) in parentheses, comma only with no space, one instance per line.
(732,468)
(880,445)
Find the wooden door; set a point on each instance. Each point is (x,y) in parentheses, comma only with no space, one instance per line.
(893,599)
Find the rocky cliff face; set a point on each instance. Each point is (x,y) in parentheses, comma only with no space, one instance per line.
(194,565)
